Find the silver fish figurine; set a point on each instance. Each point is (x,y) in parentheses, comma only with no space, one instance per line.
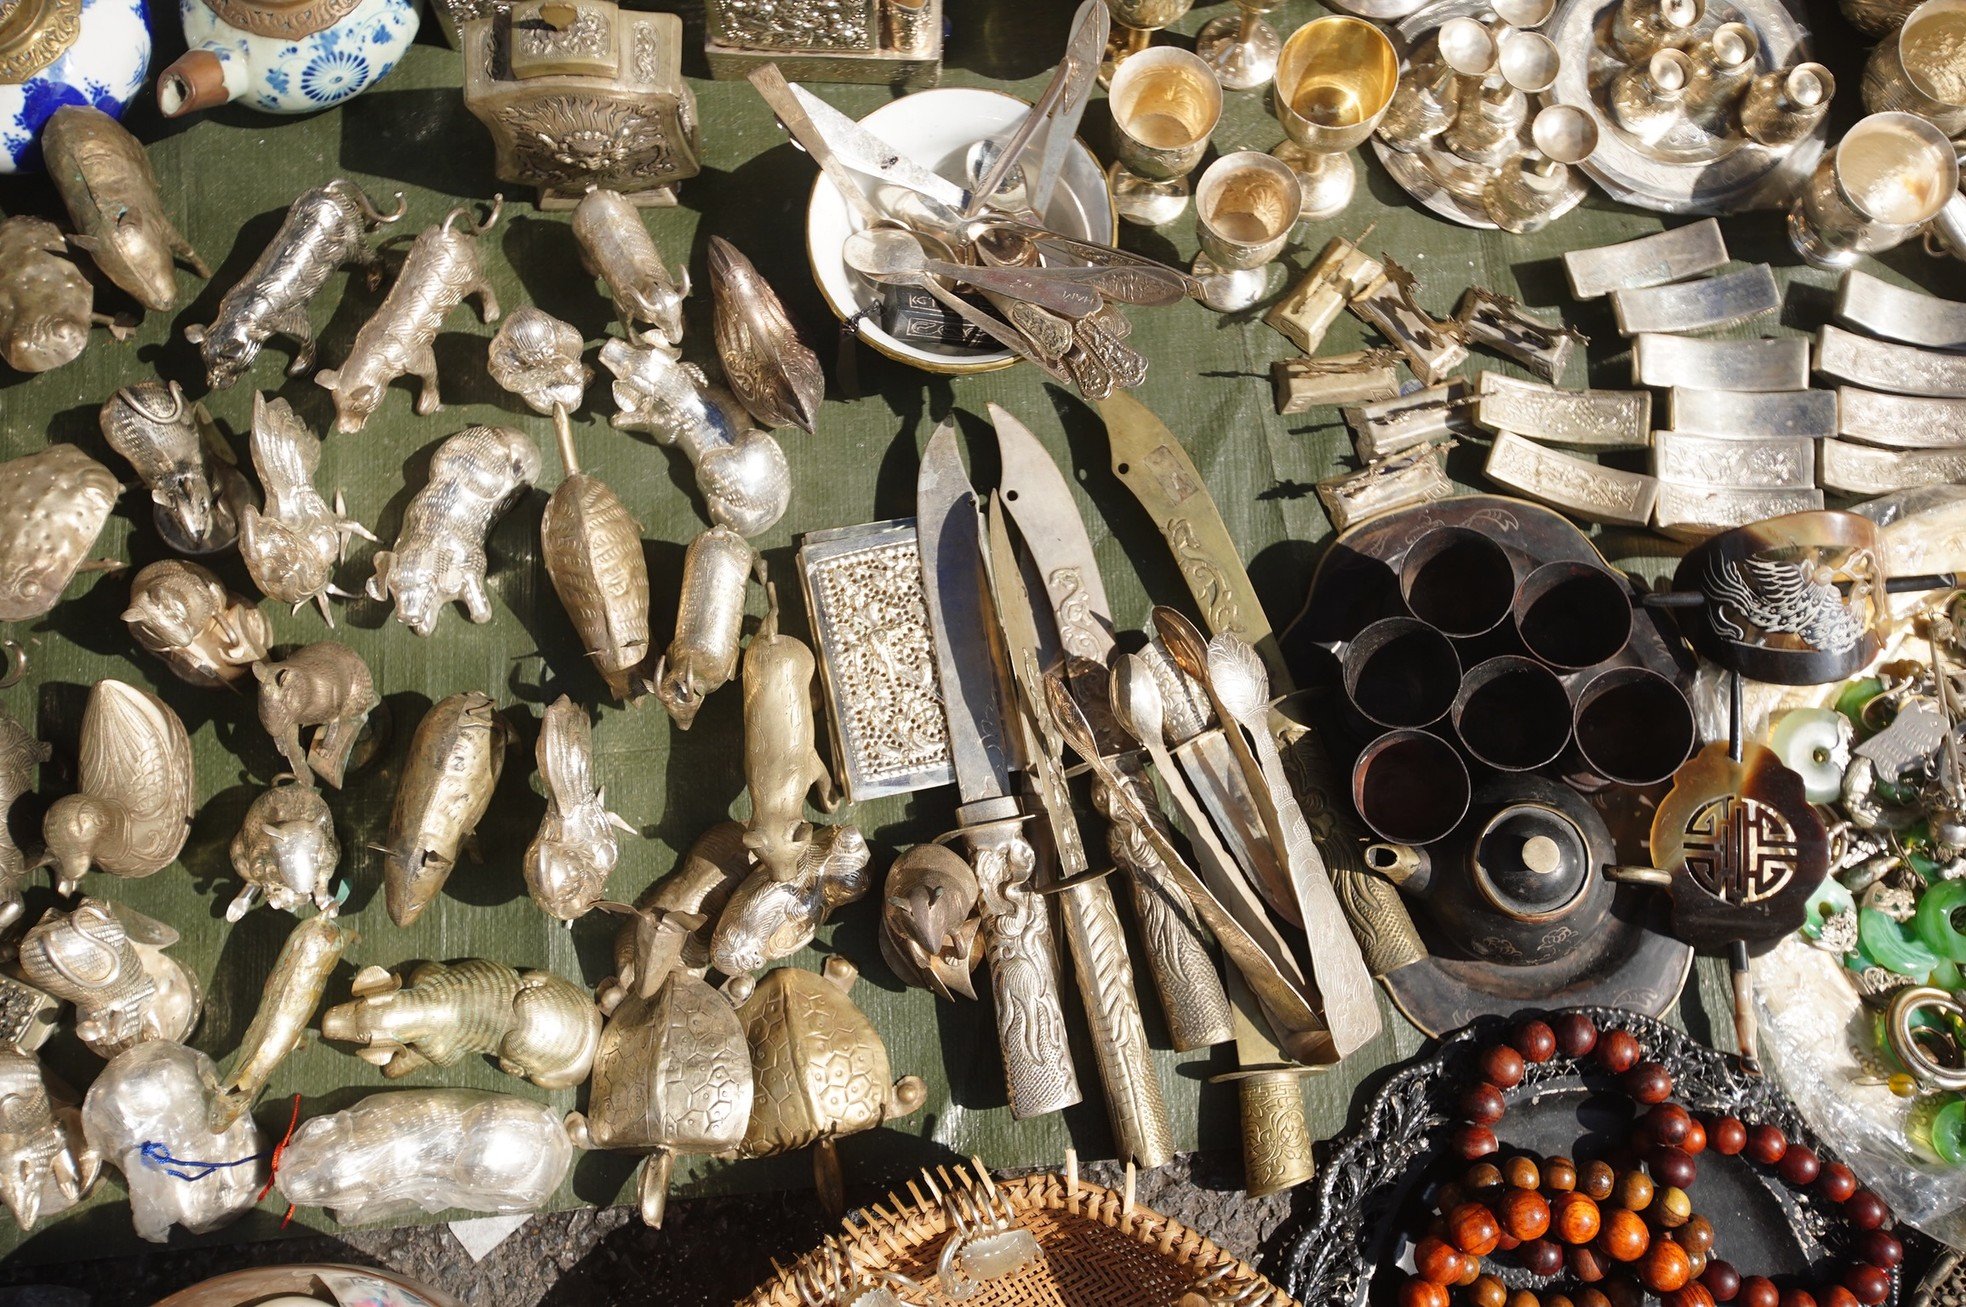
(293,990)
(195,491)
(286,850)
(106,182)
(53,504)
(135,791)
(323,685)
(454,762)
(292,545)
(109,961)
(20,754)
(46,1163)
(568,862)
(205,634)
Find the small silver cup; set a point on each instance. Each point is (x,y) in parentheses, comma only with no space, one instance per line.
(1782,107)
(1334,81)
(1165,105)
(1529,189)
(1889,175)
(1245,205)
(1920,70)
(1460,52)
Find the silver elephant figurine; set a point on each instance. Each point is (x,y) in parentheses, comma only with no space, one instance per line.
(286,850)
(568,862)
(46,1163)
(109,961)
(293,544)
(616,247)
(769,919)
(205,634)
(323,685)
(195,491)
(135,791)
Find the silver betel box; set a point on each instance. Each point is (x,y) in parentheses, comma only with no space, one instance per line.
(894,42)
(863,588)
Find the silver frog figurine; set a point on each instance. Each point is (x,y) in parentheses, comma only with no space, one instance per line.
(324,685)
(195,491)
(769,919)
(110,190)
(286,849)
(454,761)
(109,961)
(740,469)
(702,655)
(46,305)
(443,268)
(616,247)
(324,229)
(46,1163)
(781,763)
(568,862)
(206,635)
(291,546)
(475,476)
(53,504)
(135,790)
(293,990)
(533,1024)
(20,754)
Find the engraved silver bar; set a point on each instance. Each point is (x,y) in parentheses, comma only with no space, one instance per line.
(1654,260)
(1414,477)
(1361,377)
(1757,365)
(1705,510)
(1705,305)
(1865,470)
(1809,413)
(1393,425)
(1897,313)
(1884,365)
(1901,421)
(1577,486)
(1583,419)
(1734,462)
(1500,325)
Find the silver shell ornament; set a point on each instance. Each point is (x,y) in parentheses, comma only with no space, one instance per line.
(46,305)
(768,919)
(155,1101)
(135,796)
(455,758)
(569,860)
(20,754)
(323,685)
(286,850)
(672,921)
(533,1024)
(195,491)
(109,961)
(766,363)
(616,247)
(293,990)
(53,504)
(439,555)
(110,190)
(46,1163)
(702,655)
(292,545)
(205,634)
(426,1150)
(740,470)
(781,762)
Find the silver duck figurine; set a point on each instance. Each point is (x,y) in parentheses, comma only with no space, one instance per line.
(569,860)
(171,442)
(293,544)
(135,793)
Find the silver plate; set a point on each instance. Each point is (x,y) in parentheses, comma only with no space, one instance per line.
(1898,313)
(1734,462)
(1809,413)
(1901,421)
(1654,260)
(1753,365)
(1704,305)
(1886,365)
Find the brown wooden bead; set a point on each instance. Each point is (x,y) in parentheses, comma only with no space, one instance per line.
(1797,1297)
(1417,1292)
(1696,1236)
(1480,1176)
(1438,1260)
(1635,1190)
(1696,1137)
(1727,1136)
(1871,1284)
(1473,1229)
(1801,1166)
(1722,1280)
(1866,1210)
(1692,1294)
(1470,1272)
(1672,1166)
(1835,1295)
(1483,1104)
(1559,1300)
(1837,1182)
(1624,1293)
(1576,1035)
(1501,1066)
(1559,1175)
(1618,1051)
(1673,1208)
(1487,1291)
(1535,1040)
(1698,1260)
(1880,1248)
(1507,1242)
(1624,1237)
(1525,1214)
(1665,1266)
(1524,1298)
(1668,1124)
(1541,1257)
(1449,1196)
(1473,1141)
(1592,1297)
(1597,1180)
(1522,1173)
(1648,1082)
(1766,1145)
(1759,1291)
(1588,1264)
(1575,1218)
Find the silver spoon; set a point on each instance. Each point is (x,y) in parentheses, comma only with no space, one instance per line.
(891,255)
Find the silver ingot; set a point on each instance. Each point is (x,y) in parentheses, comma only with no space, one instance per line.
(205,634)
(292,545)
(741,470)
(46,305)
(616,247)
(159,1097)
(1704,305)
(293,990)
(536,356)
(532,1024)
(426,1150)
(323,685)
(1498,324)
(447,784)
(1585,489)
(1766,364)
(1697,511)
(1419,417)
(1364,376)
(772,372)
(324,229)
(1734,462)
(702,655)
(768,918)
(20,754)
(110,192)
(439,555)
(1810,413)
(569,860)
(175,449)
(1899,313)
(1655,260)
(1884,365)
(1433,348)
(1414,477)
(134,796)
(1583,419)
(53,504)
(109,961)
(781,766)
(1862,470)
(1901,421)
(286,850)
(46,1163)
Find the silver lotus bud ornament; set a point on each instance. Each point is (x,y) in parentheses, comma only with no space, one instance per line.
(323,685)
(769,367)
(134,800)
(768,919)
(53,504)
(46,1163)
(931,921)
(292,545)
(205,634)
(702,656)
(20,754)
(293,990)
(454,762)
(781,762)
(109,961)
(616,247)
(568,862)
(286,850)
(175,449)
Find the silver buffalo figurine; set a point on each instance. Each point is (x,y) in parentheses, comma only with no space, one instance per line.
(616,247)
(286,849)
(702,655)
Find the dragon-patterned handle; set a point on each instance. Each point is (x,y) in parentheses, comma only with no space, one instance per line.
(1119,1039)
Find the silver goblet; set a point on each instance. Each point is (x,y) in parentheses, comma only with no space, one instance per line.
(1165,105)
(1245,206)
(1335,78)
(1241,48)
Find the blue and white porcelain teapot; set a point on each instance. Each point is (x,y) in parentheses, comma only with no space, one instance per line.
(283,56)
(57,52)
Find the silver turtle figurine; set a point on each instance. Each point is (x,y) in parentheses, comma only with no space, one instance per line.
(292,545)
(135,794)
(205,634)
(20,754)
(568,862)
(46,1163)
(109,961)
(171,442)
(323,685)
(53,504)
(286,850)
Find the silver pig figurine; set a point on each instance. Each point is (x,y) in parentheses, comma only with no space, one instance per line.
(717,569)
(616,247)
(442,269)
(46,1164)
(20,754)
(454,761)
(293,990)
(46,305)
(475,476)
(205,634)
(286,849)
(109,961)
(769,919)
(134,790)
(53,504)
(291,546)
(105,180)
(740,469)
(533,1024)
(780,761)
(568,862)
(175,449)
(324,685)
(324,229)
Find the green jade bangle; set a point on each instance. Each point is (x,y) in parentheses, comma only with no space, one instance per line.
(1894,948)
(1934,919)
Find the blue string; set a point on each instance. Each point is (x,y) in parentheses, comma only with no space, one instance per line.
(159,1156)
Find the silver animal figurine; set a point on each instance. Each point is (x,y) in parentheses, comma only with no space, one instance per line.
(769,367)
(769,919)
(194,489)
(205,634)
(53,504)
(105,180)
(568,861)
(20,754)
(325,228)
(442,269)
(427,1150)
(46,305)
(291,546)
(158,1098)
(324,685)
(781,763)
(931,918)
(536,356)
(717,569)
(286,850)
(454,761)
(741,470)
(27,1016)
(293,990)
(616,247)
(134,790)
(533,1024)
(109,961)
(475,476)
(670,926)
(46,1164)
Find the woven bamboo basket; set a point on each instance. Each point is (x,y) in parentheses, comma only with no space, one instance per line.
(1100,1250)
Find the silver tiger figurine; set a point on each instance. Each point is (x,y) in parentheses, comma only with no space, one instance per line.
(616,247)
(46,1163)
(205,634)
(173,446)
(568,862)
(109,961)
(20,754)
(324,229)
(439,555)
(292,545)
(443,268)
(286,850)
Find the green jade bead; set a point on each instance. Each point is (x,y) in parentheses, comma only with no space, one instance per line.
(1948,1132)
(1934,920)
(1893,947)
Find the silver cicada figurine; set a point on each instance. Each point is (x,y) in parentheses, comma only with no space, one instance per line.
(293,544)
(568,862)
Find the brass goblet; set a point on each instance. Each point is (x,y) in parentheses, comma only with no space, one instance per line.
(1241,48)
(1334,80)
(1165,105)
(1245,206)
(1134,25)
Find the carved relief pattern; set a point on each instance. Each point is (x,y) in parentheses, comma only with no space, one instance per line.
(1885,366)
(1858,470)
(1572,417)
(567,140)
(56,27)
(1906,421)
(1726,507)
(1078,630)
(1570,482)
(588,36)
(872,620)
(1213,588)
(1275,1141)
(793,24)
(1023,967)
(648,53)
(289,21)
(1740,850)
(1776,463)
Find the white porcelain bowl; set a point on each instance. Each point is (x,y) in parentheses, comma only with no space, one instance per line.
(935,128)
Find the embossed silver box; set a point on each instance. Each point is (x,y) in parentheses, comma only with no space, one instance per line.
(863,588)
(895,42)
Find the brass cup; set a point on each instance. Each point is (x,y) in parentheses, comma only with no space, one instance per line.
(1134,25)
(1165,105)
(1919,70)
(1241,48)
(1245,205)
(1335,78)
(1889,175)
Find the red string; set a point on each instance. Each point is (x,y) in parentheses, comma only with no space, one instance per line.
(279,1149)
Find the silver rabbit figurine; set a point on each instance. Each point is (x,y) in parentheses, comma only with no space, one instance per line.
(568,862)
(291,546)
(173,446)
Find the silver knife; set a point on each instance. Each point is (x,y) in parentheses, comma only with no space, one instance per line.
(974,678)
(863,151)
(1064,96)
